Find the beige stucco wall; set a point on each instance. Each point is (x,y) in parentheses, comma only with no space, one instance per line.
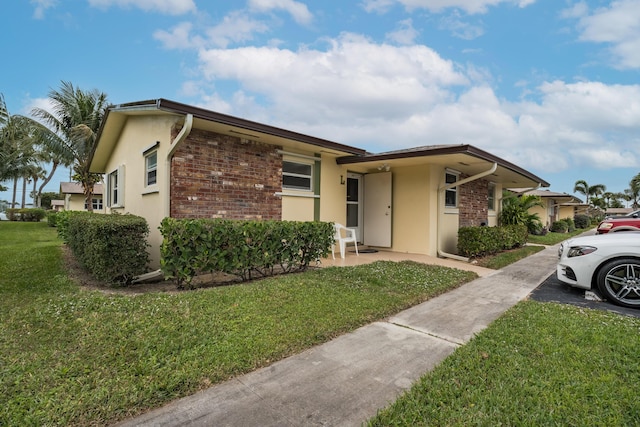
(542,212)
(410,212)
(299,208)
(566,212)
(139,134)
(333,201)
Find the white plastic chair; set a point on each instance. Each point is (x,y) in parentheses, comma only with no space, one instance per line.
(349,236)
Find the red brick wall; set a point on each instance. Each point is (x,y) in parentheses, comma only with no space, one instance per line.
(473,202)
(220,176)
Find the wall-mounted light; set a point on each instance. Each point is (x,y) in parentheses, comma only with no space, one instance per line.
(384,167)
(342,182)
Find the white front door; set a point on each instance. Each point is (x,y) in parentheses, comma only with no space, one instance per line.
(354,203)
(377,209)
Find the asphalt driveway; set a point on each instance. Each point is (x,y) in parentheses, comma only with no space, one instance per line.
(553,290)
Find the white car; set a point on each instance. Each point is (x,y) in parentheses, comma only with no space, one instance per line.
(609,262)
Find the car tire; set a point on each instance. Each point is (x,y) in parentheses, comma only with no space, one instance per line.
(619,282)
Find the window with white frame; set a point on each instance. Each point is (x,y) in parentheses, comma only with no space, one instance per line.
(96,203)
(115,188)
(297,175)
(151,168)
(491,197)
(451,194)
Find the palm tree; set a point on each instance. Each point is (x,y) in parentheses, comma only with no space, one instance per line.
(76,118)
(515,211)
(633,192)
(588,191)
(23,142)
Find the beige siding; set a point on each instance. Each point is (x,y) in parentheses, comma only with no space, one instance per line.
(149,202)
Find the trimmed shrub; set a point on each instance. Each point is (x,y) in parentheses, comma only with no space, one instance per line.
(113,248)
(582,221)
(51,218)
(571,226)
(248,249)
(26,214)
(62,223)
(559,227)
(482,241)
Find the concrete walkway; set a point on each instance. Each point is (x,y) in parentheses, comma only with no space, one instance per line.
(345,381)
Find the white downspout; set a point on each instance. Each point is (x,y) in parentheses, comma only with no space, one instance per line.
(175,144)
(441,191)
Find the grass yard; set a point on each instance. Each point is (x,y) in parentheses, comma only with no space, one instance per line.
(71,356)
(552,238)
(540,364)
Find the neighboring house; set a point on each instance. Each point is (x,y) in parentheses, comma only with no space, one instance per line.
(74,199)
(57,205)
(555,206)
(163,158)
(618,211)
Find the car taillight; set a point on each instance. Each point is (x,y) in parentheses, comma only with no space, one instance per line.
(605,226)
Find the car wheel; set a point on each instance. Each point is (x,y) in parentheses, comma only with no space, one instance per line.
(619,282)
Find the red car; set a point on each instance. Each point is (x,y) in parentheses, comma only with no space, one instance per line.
(618,224)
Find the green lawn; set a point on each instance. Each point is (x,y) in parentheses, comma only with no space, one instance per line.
(552,238)
(540,364)
(70,356)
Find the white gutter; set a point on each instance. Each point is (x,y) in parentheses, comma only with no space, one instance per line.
(175,144)
(441,191)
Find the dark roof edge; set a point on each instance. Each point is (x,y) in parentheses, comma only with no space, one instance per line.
(452,149)
(201,113)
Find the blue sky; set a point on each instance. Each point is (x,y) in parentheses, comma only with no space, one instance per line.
(551,85)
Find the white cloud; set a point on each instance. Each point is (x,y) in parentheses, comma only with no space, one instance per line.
(458,28)
(41,7)
(405,34)
(179,37)
(169,7)
(353,78)
(437,6)
(236,27)
(298,11)
(617,25)
(378,6)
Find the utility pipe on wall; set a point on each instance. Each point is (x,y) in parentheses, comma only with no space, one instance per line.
(175,144)
(446,187)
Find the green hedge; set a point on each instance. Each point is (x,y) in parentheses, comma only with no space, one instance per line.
(559,226)
(26,214)
(113,248)
(248,249)
(482,241)
(582,221)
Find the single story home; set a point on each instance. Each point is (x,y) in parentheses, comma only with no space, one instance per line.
(74,199)
(57,205)
(166,159)
(555,206)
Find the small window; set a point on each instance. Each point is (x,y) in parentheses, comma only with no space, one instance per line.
(96,204)
(115,188)
(451,195)
(151,168)
(297,176)
(491,197)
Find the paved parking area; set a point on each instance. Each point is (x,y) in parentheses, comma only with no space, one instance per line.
(553,290)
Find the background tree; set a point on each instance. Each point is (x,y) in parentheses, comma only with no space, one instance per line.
(25,146)
(76,117)
(47,197)
(633,192)
(589,191)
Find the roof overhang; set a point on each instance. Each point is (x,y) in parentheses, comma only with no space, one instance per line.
(117,116)
(466,159)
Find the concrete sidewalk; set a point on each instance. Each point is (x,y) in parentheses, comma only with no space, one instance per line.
(345,381)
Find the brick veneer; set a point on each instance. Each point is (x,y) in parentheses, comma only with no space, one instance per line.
(221,176)
(473,202)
